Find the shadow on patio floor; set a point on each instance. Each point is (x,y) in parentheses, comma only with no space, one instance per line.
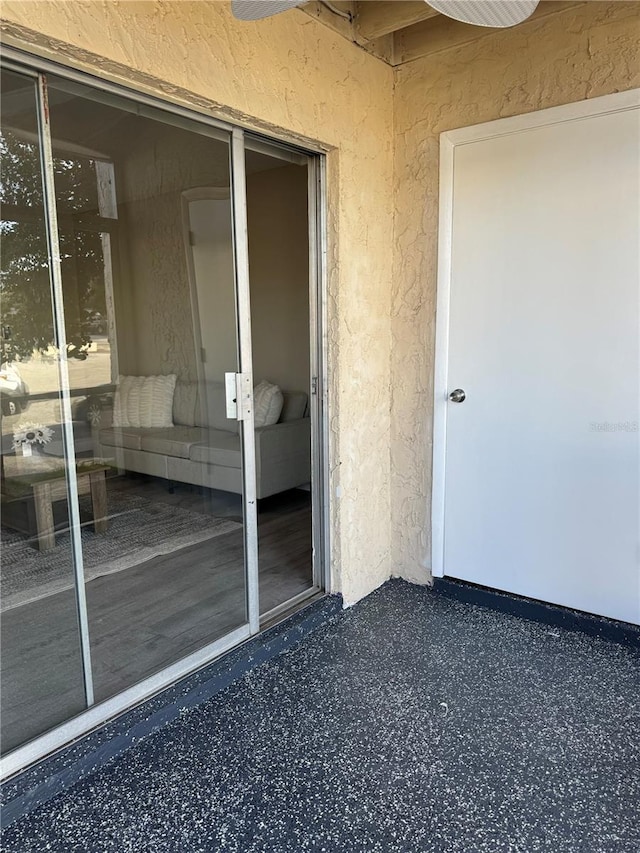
(410,722)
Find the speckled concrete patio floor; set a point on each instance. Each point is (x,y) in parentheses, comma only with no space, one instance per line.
(410,722)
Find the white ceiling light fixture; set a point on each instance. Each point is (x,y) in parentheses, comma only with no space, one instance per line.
(486,13)
(482,13)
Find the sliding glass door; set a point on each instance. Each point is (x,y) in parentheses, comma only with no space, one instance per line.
(285,371)
(158,381)
(42,663)
(167,577)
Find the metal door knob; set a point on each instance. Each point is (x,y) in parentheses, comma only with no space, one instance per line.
(457,396)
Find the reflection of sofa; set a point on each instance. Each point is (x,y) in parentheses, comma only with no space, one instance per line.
(203,446)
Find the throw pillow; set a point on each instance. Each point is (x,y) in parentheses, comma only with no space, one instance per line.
(144,401)
(267,404)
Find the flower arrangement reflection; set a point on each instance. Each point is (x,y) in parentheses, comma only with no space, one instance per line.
(28,436)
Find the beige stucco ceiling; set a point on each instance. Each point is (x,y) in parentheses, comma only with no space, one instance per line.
(399,31)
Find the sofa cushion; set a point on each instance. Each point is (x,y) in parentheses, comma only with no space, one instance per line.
(144,401)
(294,406)
(267,403)
(174,441)
(129,437)
(221,448)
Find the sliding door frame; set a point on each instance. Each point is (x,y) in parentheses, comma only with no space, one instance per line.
(60,331)
(318,325)
(95,715)
(315,164)
(245,379)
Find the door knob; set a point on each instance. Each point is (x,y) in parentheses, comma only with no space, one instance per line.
(457,396)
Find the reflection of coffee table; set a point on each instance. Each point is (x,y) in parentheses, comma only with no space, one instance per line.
(38,483)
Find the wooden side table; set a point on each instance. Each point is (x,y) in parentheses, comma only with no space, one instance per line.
(47,484)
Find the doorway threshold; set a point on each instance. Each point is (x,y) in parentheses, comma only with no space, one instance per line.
(288,608)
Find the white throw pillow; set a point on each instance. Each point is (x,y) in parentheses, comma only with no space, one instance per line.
(267,403)
(144,401)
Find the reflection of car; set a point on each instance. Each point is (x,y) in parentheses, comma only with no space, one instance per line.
(89,409)
(97,323)
(14,393)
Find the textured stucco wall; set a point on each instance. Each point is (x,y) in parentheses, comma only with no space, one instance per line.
(580,53)
(287,73)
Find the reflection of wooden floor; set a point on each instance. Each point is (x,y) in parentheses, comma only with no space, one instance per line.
(145,618)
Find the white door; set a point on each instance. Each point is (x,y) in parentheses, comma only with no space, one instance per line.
(537,471)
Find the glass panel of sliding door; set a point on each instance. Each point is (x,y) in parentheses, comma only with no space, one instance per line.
(279,271)
(41,659)
(145,219)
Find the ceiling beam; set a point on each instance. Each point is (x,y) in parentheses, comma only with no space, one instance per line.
(381,48)
(322,13)
(373,20)
(429,37)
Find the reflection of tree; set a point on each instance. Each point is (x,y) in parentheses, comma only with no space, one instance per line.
(25,289)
